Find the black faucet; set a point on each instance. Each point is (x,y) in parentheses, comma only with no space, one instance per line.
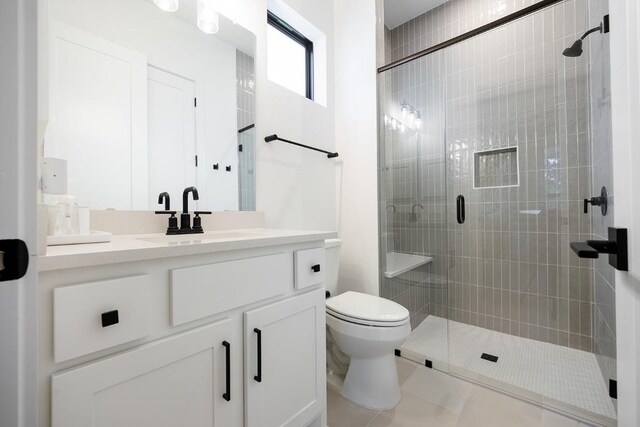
(185,218)
(167,200)
(172,228)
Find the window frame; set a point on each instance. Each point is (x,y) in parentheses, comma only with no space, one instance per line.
(286,29)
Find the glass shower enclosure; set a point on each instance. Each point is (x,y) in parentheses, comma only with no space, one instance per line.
(487,149)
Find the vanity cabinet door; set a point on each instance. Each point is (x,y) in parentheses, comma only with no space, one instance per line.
(285,362)
(177,381)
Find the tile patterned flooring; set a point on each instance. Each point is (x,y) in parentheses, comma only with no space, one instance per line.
(433,398)
(564,378)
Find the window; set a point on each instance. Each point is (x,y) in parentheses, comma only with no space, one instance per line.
(290,57)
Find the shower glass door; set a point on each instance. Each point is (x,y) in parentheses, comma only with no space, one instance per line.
(413,211)
(518,165)
(487,149)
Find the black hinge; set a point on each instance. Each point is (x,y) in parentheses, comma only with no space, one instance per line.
(196,160)
(397,352)
(195,102)
(613,389)
(240,148)
(428,363)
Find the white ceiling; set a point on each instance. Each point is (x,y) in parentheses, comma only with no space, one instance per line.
(397,12)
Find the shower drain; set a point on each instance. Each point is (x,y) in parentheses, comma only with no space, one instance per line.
(489,357)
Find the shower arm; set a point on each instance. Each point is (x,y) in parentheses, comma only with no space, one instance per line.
(593,30)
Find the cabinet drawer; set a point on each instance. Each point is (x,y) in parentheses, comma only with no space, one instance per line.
(94,316)
(205,290)
(309,267)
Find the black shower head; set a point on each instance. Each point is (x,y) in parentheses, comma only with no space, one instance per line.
(574,50)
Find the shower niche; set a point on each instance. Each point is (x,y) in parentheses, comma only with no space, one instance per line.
(496,168)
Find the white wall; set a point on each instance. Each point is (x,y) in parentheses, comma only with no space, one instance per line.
(181,48)
(625,96)
(295,187)
(356,141)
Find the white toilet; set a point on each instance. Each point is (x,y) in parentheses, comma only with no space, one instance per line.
(368,329)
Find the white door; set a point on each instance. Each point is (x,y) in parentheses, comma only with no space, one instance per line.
(18,176)
(177,381)
(98,118)
(285,379)
(172,135)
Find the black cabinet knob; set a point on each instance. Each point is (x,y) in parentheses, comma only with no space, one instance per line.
(315,268)
(110,318)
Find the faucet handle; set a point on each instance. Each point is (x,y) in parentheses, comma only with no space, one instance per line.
(197,221)
(172,228)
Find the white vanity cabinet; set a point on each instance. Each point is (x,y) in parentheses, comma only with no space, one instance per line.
(184,350)
(285,361)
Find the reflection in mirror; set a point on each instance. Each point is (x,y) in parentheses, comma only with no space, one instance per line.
(144,101)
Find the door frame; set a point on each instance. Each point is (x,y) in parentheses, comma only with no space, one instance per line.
(625,105)
(18,191)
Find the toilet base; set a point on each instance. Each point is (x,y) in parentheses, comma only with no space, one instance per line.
(372,382)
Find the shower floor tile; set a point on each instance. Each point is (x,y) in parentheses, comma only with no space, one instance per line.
(556,376)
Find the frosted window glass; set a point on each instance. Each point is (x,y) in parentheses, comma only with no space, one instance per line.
(286,61)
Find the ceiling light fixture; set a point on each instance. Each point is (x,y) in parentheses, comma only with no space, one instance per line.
(167,5)
(208,18)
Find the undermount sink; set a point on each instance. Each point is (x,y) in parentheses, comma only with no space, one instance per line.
(188,239)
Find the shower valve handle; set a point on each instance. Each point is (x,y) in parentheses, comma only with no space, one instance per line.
(600,200)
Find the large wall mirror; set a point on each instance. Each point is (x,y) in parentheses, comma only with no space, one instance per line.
(146,99)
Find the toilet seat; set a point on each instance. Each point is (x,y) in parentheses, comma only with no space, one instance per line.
(368,310)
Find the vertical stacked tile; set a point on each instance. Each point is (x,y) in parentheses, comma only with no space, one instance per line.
(509,267)
(245,98)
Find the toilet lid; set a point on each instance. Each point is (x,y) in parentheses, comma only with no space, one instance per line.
(369,308)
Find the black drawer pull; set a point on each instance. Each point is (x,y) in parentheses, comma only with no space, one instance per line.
(258,377)
(110,318)
(460,214)
(315,268)
(227,395)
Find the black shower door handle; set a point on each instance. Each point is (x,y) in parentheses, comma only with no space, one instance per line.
(460,214)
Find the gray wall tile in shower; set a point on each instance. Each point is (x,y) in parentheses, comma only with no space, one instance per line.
(509,267)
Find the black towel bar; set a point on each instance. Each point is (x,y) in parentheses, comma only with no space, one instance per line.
(275,137)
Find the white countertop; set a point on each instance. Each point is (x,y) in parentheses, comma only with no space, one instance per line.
(152,246)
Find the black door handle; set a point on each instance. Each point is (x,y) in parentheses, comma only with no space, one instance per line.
(460,214)
(14,259)
(110,318)
(258,377)
(227,395)
(315,268)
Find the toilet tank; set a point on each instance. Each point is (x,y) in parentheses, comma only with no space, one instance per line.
(332,262)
